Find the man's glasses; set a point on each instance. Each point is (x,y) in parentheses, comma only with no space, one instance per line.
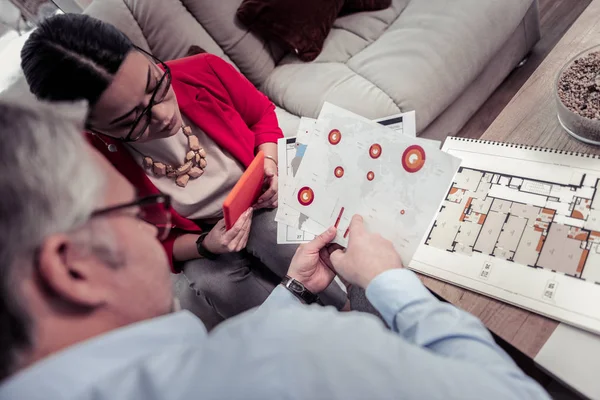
(155,210)
(142,122)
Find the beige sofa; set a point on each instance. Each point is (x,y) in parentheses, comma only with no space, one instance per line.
(441,58)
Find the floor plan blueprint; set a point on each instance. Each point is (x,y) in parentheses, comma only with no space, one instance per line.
(521,224)
(529,222)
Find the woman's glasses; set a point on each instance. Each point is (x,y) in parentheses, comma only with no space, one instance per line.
(142,122)
(155,210)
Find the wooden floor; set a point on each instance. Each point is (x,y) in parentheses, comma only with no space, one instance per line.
(556,16)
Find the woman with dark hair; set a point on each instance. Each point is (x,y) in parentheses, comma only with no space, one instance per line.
(187,128)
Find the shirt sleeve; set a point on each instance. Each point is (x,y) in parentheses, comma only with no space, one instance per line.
(255,108)
(281,297)
(434,350)
(421,319)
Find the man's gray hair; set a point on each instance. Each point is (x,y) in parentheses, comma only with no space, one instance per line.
(48,184)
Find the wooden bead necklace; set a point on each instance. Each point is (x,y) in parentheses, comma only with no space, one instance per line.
(192,167)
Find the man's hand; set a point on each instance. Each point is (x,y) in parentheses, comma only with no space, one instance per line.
(269,197)
(220,240)
(311,265)
(367,255)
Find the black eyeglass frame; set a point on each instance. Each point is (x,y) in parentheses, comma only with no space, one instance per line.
(142,201)
(163,199)
(147,112)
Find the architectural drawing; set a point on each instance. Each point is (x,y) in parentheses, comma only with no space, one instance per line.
(520,224)
(529,222)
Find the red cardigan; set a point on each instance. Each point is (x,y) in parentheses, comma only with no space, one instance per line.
(221,102)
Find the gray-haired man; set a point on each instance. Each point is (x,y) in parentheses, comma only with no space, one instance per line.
(85,302)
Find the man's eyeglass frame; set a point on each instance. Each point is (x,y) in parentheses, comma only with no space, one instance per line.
(142,202)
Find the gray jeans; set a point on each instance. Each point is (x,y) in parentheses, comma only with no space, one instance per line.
(229,285)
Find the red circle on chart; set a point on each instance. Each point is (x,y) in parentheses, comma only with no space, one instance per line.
(413,158)
(335,136)
(375,151)
(371,175)
(402,212)
(306,196)
(338,172)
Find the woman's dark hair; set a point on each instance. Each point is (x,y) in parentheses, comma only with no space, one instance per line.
(73,57)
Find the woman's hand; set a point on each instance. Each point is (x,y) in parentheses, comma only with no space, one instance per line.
(220,240)
(269,198)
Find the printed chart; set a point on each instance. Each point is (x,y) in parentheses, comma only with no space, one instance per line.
(354,166)
(293,226)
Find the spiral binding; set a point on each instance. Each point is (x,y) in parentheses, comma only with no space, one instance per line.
(527,147)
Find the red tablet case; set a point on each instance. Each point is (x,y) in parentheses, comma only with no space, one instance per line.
(245,192)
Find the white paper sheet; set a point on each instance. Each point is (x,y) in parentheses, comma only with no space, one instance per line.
(356,166)
(405,123)
(292,226)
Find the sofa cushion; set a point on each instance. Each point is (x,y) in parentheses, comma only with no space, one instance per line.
(255,57)
(118,14)
(287,122)
(300,26)
(163,27)
(417,54)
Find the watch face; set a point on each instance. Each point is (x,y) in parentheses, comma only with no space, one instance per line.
(296,287)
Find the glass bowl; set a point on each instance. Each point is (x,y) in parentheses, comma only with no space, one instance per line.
(577,92)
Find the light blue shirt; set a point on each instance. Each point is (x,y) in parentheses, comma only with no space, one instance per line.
(287,350)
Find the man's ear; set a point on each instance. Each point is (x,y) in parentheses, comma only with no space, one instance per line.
(71,273)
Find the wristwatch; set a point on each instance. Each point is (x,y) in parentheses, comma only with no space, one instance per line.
(203,251)
(298,289)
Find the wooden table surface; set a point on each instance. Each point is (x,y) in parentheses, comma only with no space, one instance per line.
(530,118)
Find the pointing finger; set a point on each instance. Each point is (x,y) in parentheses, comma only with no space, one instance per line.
(356,228)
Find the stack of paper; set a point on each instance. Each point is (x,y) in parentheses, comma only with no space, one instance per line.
(343,164)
